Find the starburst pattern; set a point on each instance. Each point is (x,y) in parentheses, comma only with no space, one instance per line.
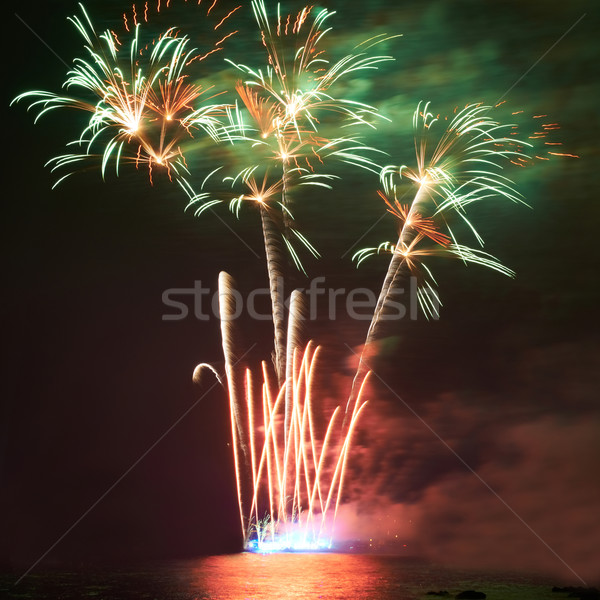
(140,101)
(459,169)
(451,172)
(279,119)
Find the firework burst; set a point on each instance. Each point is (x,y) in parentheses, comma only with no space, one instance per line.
(279,120)
(460,167)
(144,106)
(299,76)
(289,477)
(141,102)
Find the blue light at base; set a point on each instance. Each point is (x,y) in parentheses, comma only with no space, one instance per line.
(287,544)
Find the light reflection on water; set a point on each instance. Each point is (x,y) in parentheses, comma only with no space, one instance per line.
(274,577)
(283,576)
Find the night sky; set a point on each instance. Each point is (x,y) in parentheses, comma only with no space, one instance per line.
(93,376)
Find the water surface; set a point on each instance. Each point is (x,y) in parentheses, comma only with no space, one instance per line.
(276,577)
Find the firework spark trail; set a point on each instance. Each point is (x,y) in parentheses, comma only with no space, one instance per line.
(284,99)
(226,314)
(283,470)
(461,169)
(141,107)
(359,406)
(208,17)
(297,314)
(298,76)
(282,103)
(275,273)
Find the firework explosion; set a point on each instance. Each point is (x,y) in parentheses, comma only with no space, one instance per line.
(141,103)
(144,107)
(282,107)
(459,168)
(289,478)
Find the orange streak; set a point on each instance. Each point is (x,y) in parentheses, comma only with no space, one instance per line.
(227,17)
(223,39)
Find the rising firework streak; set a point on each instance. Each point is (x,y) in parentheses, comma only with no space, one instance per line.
(289,477)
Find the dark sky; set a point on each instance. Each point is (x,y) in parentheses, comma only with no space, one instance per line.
(93,376)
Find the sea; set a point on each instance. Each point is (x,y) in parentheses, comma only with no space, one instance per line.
(284,576)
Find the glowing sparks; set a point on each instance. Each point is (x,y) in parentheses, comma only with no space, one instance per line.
(289,479)
(295,93)
(141,108)
(263,193)
(144,106)
(462,168)
(282,103)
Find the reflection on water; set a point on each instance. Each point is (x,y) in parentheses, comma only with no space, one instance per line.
(290,576)
(273,577)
